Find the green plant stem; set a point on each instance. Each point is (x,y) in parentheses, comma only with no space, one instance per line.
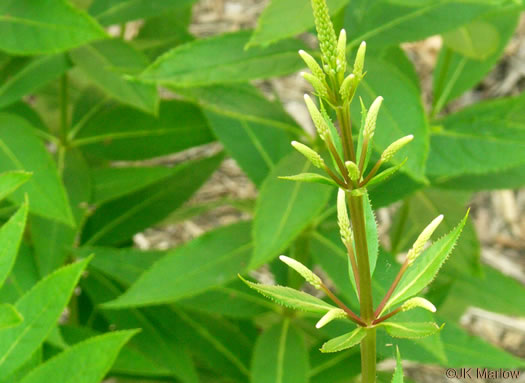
(371,174)
(63,109)
(342,306)
(368,344)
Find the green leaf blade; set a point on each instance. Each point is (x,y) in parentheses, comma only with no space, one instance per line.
(9,316)
(410,330)
(10,237)
(284,209)
(71,366)
(345,341)
(291,298)
(30,28)
(20,149)
(280,356)
(192,268)
(40,313)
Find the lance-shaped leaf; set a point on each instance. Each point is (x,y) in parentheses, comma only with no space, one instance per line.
(20,149)
(207,261)
(298,15)
(71,366)
(40,314)
(280,355)
(28,27)
(311,178)
(120,11)
(10,181)
(10,237)
(384,175)
(31,77)
(9,316)
(223,59)
(398,372)
(292,298)
(425,267)
(105,63)
(284,209)
(344,341)
(410,330)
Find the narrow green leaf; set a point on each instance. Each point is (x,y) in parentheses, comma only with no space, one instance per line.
(425,267)
(117,132)
(284,209)
(223,59)
(372,237)
(9,316)
(234,300)
(105,63)
(344,341)
(12,180)
(420,209)
(298,14)
(398,373)
(112,183)
(192,268)
(472,140)
(24,275)
(40,314)
(70,366)
(310,178)
(410,330)
(33,76)
(109,12)
(30,28)
(292,298)
(401,113)
(254,131)
(384,175)
(152,343)
(118,220)
(20,149)
(280,356)
(390,23)
(10,237)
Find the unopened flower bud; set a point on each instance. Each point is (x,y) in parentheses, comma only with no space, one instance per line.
(330,316)
(418,302)
(371,119)
(341,52)
(342,218)
(305,272)
(394,147)
(317,84)
(359,63)
(325,32)
(310,154)
(317,118)
(353,170)
(348,87)
(312,64)
(419,244)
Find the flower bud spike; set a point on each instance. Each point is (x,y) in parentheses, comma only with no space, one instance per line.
(348,87)
(418,302)
(305,272)
(330,316)
(342,218)
(341,53)
(371,119)
(314,67)
(325,32)
(317,118)
(394,147)
(359,63)
(312,156)
(419,244)
(317,84)
(353,170)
